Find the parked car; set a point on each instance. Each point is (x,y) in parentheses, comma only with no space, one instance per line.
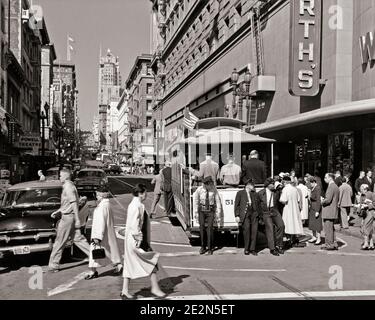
(26,225)
(113,169)
(52,173)
(90,180)
(126,169)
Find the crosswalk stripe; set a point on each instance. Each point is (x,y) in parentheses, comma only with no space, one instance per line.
(277,295)
(225,270)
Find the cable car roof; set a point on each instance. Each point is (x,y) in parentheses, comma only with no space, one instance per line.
(222,135)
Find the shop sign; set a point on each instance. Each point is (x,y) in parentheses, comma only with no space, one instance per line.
(367,47)
(29,141)
(305,47)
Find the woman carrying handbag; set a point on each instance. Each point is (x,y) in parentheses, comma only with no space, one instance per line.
(139,260)
(103,236)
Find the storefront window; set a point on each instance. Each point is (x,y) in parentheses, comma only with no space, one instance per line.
(308,157)
(368,149)
(341,152)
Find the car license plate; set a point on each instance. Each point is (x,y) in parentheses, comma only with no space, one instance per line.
(88,188)
(21,250)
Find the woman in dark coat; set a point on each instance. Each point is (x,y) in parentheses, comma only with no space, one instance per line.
(315,212)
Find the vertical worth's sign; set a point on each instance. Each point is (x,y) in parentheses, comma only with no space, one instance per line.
(305,46)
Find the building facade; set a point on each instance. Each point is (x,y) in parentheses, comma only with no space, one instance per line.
(109,93)
(65,103)
(311,82)
(123,121)
(139,86)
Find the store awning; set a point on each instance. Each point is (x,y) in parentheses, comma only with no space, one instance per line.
(350,116)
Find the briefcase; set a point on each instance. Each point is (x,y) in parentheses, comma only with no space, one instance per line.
(98,253)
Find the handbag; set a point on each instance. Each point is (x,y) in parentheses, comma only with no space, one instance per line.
(98,253)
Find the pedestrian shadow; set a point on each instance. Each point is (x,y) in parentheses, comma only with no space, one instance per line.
(168,285)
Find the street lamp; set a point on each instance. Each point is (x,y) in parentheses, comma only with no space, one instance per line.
(242,91)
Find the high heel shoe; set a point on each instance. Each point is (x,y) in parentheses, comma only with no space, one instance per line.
(126,296)
(118,270)
(92,276)
(164,295)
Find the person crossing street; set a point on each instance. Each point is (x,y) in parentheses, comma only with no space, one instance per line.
(69,224)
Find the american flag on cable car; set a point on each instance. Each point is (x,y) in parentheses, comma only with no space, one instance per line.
(190,120)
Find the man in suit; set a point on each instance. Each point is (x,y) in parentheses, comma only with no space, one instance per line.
(269,201)
(254,169)
(207,168)
(330,212)
(345,203)
(166,187)
(338,178)
(369,181)
(359,181)
(247,211)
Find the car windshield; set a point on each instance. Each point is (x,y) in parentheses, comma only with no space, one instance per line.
(90,174)
(52,172)
(32,197)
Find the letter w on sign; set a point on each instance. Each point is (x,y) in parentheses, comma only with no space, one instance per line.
(366,43)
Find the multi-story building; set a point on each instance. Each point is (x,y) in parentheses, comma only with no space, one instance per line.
(123,122)
(109,92)
(139,86)
(65,97)
(311,74)
(95,131)
(48,56)
(23,36)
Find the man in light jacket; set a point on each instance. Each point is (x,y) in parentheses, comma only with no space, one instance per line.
(330,212)
(345,203)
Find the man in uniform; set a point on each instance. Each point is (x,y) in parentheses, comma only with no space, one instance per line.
(206,205)
(254,169)
(69,225)
(230,174)
(247,211)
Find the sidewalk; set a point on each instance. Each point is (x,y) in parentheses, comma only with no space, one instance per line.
(354,229)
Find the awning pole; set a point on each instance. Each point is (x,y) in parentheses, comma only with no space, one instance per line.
(272,173)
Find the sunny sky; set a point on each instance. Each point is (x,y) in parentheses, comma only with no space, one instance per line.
(121,25)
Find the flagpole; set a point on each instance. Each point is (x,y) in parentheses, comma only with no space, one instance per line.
(67,48)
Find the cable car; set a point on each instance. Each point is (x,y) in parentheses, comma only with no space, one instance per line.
(220,136)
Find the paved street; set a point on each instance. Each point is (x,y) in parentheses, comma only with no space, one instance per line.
(302,273)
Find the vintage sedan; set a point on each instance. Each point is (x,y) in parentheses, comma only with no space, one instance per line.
(89,180)
(26,225)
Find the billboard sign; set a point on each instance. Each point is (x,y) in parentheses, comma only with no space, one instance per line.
(305,47)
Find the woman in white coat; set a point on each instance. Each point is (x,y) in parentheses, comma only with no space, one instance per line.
(139,263)
(103,234)
(305,197)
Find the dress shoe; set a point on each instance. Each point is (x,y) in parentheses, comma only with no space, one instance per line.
(247,253)
(210,252)
(93,275)
(254,253)
(318,243)
(274,253)
(312,240)
(280,250)
(202,251)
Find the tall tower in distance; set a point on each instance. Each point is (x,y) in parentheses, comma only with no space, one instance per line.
(109,93)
